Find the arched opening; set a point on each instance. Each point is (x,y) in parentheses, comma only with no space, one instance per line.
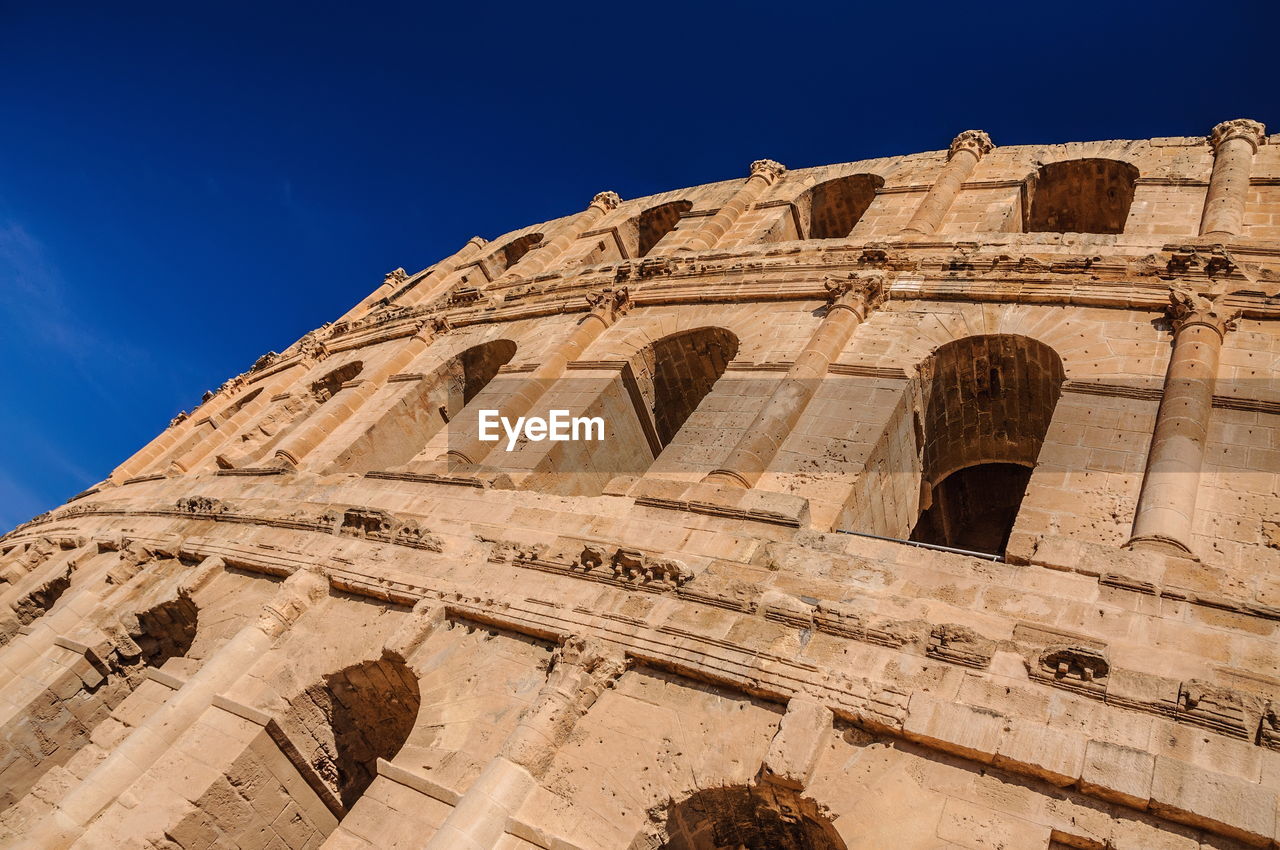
(657,222)
(754,818)
(476,367)
(327,387)
(836,205)
(676,372)
(241,402)
(987,404)
(343,724)
(402,425)
(514,251)
(60,720)
(1079,196)
(167,630)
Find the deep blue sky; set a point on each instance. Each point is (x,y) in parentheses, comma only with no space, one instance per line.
(185,186)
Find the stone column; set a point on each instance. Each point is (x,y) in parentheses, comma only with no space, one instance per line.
(135,754)
(179,427)
(581,670)
(546,252)
(850,302)
(607,306)
(764,173)
(1167,502)
(225,430)
(293,448)
(1234,144)
(434,280)
(966,150)
(312,351)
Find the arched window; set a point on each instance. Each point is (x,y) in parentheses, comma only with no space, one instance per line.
(511,253)
(167,630)
(408,419)
(677,371)
(744,816)
(988,401)
(834,207)
(657,222)
(328,386)
(1079,196)
(350,719)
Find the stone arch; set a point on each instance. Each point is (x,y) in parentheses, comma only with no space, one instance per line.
(1091,195)
(419,409)
(59,720)
(986,403)
(676,372)
(167,630)
(349,719)
(830,210)
(738,816)
(657,221)
(327,386)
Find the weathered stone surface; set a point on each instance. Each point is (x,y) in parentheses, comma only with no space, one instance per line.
(321,610)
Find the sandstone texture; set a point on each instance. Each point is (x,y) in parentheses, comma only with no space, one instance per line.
(938,507)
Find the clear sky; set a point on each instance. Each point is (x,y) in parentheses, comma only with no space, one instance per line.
(186,186)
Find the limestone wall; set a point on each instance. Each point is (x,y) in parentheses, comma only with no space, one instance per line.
(319,611)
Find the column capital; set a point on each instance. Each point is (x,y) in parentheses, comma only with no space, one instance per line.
(610,303)
(860,293)
(581,669)
(768,169)
(1188,307)
(606,201)
(976,142)
(477,242)
(395,277)
(1254,132)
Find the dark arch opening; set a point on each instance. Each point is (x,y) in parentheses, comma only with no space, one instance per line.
(327,387)
(676,372)
(167,630)
(480,363)
(988,401)
(657,222)
(514,251)
(421,408)
(350,719)
(836,205)
(240,403)
(736,817)
(1079,196)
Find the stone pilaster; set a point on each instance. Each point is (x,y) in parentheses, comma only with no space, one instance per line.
(1166,504)
(764,173)
(967,149)
(540,258)
(606,307)
(850,301)
(581,670)
(440,277)
(293,448)
(1234,144)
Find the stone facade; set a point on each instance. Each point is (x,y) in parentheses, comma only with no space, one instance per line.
(937,509)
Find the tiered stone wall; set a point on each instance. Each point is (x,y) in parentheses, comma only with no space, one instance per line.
(319,611)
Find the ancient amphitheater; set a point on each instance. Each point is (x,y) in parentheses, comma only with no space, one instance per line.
(937,508)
